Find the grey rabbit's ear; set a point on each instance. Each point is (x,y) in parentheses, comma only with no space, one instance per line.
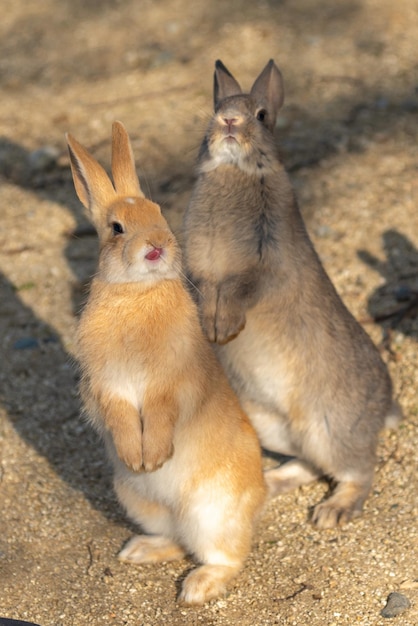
(224,84)
(268,90)
(123,163)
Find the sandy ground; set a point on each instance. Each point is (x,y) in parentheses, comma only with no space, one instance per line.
(348,134)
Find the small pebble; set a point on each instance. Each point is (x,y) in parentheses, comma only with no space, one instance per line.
(396,603)
(26,343)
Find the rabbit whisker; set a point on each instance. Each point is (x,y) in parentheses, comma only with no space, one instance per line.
(186,278)
(192,284)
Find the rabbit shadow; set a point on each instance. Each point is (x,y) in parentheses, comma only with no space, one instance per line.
(394,305)
(38,392)
(38,377)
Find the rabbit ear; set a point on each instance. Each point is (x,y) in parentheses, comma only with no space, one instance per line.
(225,84)
(93,186)
(123,163)
(268,90)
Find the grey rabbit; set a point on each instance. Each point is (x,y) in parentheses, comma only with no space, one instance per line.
(305,371)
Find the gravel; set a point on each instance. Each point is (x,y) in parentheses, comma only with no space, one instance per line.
(349,136)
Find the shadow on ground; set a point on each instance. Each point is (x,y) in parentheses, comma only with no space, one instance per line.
(394,305)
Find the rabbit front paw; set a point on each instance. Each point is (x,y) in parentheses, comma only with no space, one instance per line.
(128,446)
(155,455)
(208,297)
(229,323)
(208,325)
(157,444)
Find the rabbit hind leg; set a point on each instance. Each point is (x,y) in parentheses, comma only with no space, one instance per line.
(155,519)
(221,542)
(345,503)
(289,476)
(220,566)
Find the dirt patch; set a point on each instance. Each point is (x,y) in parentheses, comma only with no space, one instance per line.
(348,134)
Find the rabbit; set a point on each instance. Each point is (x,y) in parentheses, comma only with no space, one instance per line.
(187,461)
(305,371)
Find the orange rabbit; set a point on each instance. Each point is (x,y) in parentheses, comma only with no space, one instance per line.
(186,459)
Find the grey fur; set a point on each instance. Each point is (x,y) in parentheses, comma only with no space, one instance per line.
(306,372)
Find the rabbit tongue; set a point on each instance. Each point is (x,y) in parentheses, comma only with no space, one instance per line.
(154,255)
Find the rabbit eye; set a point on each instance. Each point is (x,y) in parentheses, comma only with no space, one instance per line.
(261,115)
(117,228)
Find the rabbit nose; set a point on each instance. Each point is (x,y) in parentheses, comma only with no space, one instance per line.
(154,254)
(230,121)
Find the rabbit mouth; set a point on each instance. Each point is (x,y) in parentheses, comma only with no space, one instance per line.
(154,254)
(223,151)
(229,136)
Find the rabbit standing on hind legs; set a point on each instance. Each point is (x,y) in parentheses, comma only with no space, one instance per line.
(187,461)
(305,371)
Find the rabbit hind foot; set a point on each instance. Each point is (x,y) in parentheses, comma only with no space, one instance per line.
(150,549)
(343,505)
(289,476)
(205,583)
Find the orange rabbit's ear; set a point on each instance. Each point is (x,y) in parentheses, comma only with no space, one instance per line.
(93,186)
(123,163)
